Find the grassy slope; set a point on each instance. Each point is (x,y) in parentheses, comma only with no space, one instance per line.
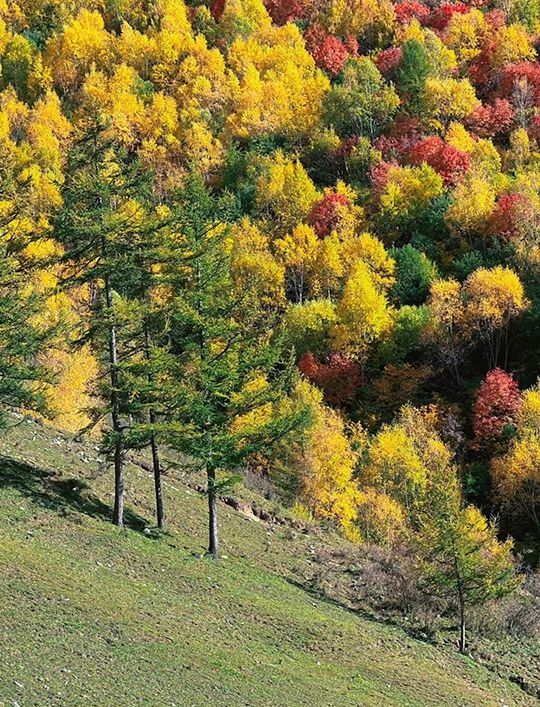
(90,615)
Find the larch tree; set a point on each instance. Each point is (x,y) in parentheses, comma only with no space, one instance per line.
(228,365)
(461,556)
(99,227)
(24,334)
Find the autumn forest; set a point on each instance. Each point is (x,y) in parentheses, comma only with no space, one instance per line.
(294,244)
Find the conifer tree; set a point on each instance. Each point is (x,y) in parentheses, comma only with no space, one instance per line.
(100,226)
(229,366)
(21,341)
(412,74)
(462,558)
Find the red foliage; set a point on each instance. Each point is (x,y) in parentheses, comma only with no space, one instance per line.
(324,216)
(346,146)
(389,60)
(445,159)
(408,10)
(512,210)
(490,120)
(480,71)
(405,133)
(339,377)
(496,19)
(352,45)
(443,14)
(405,124)
(396,148)
(379,177)
(496,405)
(534,128)
(516,72)
(217,8)
(329,52)
(283,11)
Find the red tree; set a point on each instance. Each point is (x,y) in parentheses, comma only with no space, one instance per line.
(329,52)
(509,214)
(496,405)
(490,120)
(379,177)
(445,159)
(443,14)
(283,11)
(516,72)
(496,18)
(406,11)
(217,8)
(339,377)
(389,60)
(324,216)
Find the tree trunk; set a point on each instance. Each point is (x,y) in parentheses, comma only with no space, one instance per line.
(213,546)
(157,476)
(462,640)
(156,466)
(118,513)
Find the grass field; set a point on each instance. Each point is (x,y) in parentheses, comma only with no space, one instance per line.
(92,615)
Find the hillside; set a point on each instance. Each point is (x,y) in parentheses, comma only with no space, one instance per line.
(91,615)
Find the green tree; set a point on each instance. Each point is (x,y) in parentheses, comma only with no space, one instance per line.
(100,228)
(22,335)
(414,274)
(363,103)
(412,74)
(461,556)
(229,366)
(21,341)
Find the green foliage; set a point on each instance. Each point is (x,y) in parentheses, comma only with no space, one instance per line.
(307,326)
(363,103)
(21,341)
(229,368)
(414,275)
(413,71)
(405,336)
(462,556)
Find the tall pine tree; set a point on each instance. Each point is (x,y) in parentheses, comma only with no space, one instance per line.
(229,367)
(101,226)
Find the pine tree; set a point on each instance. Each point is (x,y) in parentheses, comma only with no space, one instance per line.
(21,341)
(412,74)
(229,366)
(100,227)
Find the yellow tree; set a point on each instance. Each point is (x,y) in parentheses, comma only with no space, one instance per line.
(473,202)
(407,194)
(83,43)
(279,88)
(516,475)
(493,297)
(285,194)
(445,331)
(448,99)
(326,462)
(395,468)
(298,253)
(254,268)
(363,313)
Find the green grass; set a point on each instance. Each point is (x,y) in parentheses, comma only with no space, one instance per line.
(92,615)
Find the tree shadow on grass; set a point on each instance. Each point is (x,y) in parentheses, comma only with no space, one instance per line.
(59,495)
